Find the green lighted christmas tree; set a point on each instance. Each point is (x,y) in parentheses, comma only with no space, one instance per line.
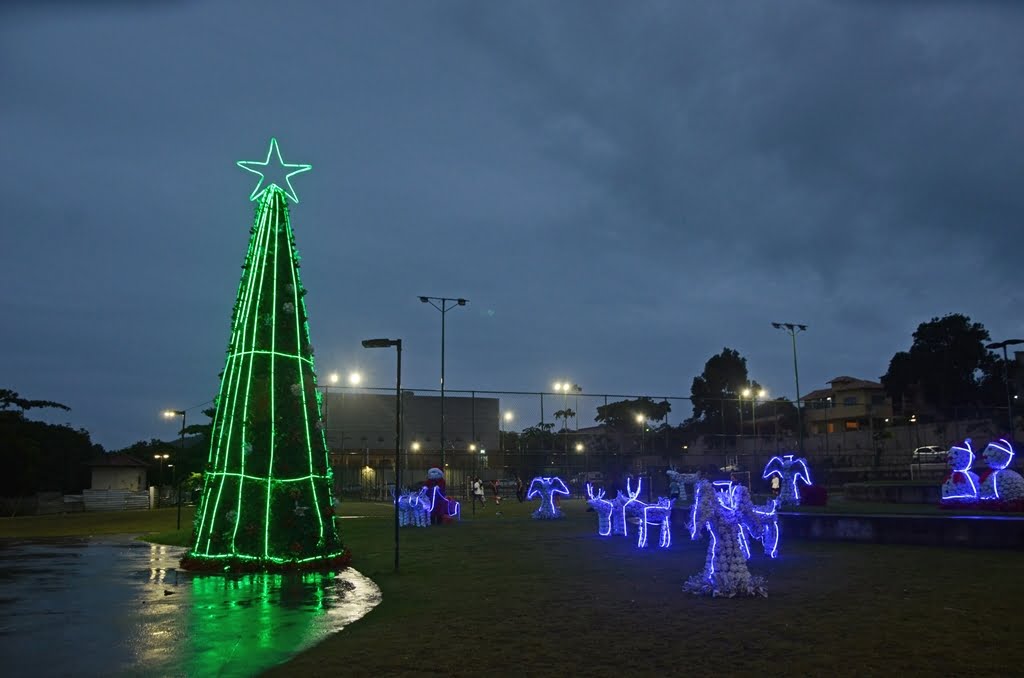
(266,502)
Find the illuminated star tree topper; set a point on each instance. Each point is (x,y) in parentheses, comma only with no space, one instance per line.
(280,168)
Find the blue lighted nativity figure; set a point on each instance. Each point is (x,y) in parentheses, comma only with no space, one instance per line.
(789,471)
(678,482)
(730,518)
(960,486)
(603,508)
(546,489)
(999,483)
(632,507)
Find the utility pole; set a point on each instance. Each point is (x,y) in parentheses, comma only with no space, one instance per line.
(793,329)
(443,307)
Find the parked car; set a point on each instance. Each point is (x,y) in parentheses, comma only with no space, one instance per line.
(929,454)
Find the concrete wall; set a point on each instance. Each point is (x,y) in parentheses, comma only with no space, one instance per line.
(129,478)
(970,531)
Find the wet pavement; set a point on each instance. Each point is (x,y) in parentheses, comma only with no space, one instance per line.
(121,607)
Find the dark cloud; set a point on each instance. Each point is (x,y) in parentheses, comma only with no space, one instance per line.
(620,191)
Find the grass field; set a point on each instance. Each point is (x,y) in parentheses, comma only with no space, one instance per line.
(504,595)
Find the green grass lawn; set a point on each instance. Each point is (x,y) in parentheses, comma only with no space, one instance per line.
(504,595)
(101,522)
(510,596)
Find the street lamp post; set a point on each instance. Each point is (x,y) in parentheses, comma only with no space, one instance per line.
(793,329)
(745,393)
(443,308)
(181,454)
(397,343)
(642,420)
(161,458)
(581,448)
(1006,379)
(577,389)
(505,419)
(828,411)
(760,395)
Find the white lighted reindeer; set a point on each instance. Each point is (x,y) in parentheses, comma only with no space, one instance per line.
(657,514)
(603,508)
(618,517)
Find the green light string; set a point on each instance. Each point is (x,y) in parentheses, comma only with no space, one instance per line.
(273,402)
(276,354)
(266,225)
(261,479)
(233,368)
(299,308)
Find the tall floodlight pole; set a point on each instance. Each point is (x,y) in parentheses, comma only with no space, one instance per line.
(793,329)
(1006,379)
(397,343)
(181,453)
(443,307)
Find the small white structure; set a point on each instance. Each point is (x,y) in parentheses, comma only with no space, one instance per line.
(118,472)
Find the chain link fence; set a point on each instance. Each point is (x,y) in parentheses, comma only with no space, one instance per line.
(556,434)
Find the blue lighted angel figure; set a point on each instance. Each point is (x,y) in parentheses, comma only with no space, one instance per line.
(789,471)
(730,517)
(547,488)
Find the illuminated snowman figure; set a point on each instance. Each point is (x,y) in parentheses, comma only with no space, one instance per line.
(961,483)
(998,483)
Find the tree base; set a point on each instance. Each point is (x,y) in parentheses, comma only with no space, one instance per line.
(243,565)
(700,585)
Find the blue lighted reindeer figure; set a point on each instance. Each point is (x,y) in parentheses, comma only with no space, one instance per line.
(730,517)
(789,471)
(659,514)
(603,508)
(619,508)
(546,489)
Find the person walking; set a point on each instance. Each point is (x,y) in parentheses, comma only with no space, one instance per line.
(519,489)
(478,492)
(497,493)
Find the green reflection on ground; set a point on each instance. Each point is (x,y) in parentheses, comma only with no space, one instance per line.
(243,624)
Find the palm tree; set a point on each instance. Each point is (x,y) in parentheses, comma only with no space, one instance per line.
(565,415)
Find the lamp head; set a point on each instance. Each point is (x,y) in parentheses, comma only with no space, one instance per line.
(379,343)
(425,300)
(461,302)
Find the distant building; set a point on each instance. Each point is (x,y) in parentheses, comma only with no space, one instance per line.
(361,426)
(849,404)
(118,472)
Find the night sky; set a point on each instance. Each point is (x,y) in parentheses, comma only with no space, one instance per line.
(619,189)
